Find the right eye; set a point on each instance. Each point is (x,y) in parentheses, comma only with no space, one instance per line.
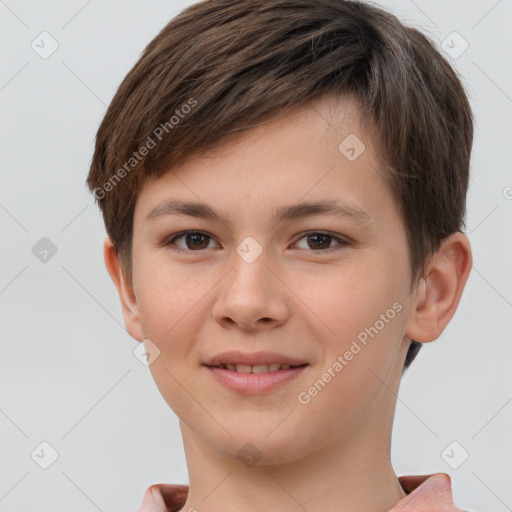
(194,241)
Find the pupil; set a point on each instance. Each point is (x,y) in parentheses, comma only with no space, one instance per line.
(195,238)
(320,236)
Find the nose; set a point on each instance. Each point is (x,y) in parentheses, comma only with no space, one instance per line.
(251,296)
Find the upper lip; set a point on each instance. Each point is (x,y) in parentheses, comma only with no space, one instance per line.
(254,358)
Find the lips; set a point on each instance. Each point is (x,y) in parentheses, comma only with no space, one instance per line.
(249,382)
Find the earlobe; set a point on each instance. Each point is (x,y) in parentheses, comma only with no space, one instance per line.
(124,289)
(437,296)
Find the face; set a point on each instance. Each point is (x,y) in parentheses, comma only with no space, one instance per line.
(327,289)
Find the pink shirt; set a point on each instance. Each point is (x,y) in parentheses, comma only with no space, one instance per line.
(425,493)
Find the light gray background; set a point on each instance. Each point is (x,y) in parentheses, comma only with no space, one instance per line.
(67,372)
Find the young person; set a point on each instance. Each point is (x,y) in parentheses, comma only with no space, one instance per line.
(283,185)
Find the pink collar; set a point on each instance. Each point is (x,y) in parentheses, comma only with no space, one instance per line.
(425,493)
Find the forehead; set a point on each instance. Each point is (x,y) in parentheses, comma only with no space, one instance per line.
(317,151)
(326,118)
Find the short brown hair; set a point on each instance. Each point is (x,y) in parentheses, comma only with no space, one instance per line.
(234,63)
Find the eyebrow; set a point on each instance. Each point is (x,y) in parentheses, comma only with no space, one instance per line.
(332,208)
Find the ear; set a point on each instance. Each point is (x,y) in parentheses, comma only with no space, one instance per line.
(437,296)
(124,289)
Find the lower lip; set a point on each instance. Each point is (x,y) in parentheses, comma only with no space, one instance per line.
(255,383)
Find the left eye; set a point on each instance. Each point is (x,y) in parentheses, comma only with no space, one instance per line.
(319,239)
(195,241)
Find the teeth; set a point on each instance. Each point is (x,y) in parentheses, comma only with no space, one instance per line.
(257,368)
(260,368)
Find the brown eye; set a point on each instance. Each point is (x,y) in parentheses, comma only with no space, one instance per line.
(194,241)
(321,242)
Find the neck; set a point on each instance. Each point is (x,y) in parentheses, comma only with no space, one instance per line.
(355,474)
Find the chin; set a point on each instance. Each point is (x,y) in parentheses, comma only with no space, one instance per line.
(256,447)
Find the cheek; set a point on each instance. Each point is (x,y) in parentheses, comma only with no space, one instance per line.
(360,318)
(365,312)
(167,297)
(350,297)
(170,313)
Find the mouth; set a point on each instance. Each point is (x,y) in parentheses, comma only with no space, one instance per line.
(258,379)
(254,373)
(257,368)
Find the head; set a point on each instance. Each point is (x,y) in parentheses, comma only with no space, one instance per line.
(249,124)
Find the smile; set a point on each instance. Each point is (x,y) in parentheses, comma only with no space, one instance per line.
(257,368)
(255,379)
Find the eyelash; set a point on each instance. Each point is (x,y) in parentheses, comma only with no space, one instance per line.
(341,241)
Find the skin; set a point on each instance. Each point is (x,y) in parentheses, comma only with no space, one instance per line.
(294,298)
